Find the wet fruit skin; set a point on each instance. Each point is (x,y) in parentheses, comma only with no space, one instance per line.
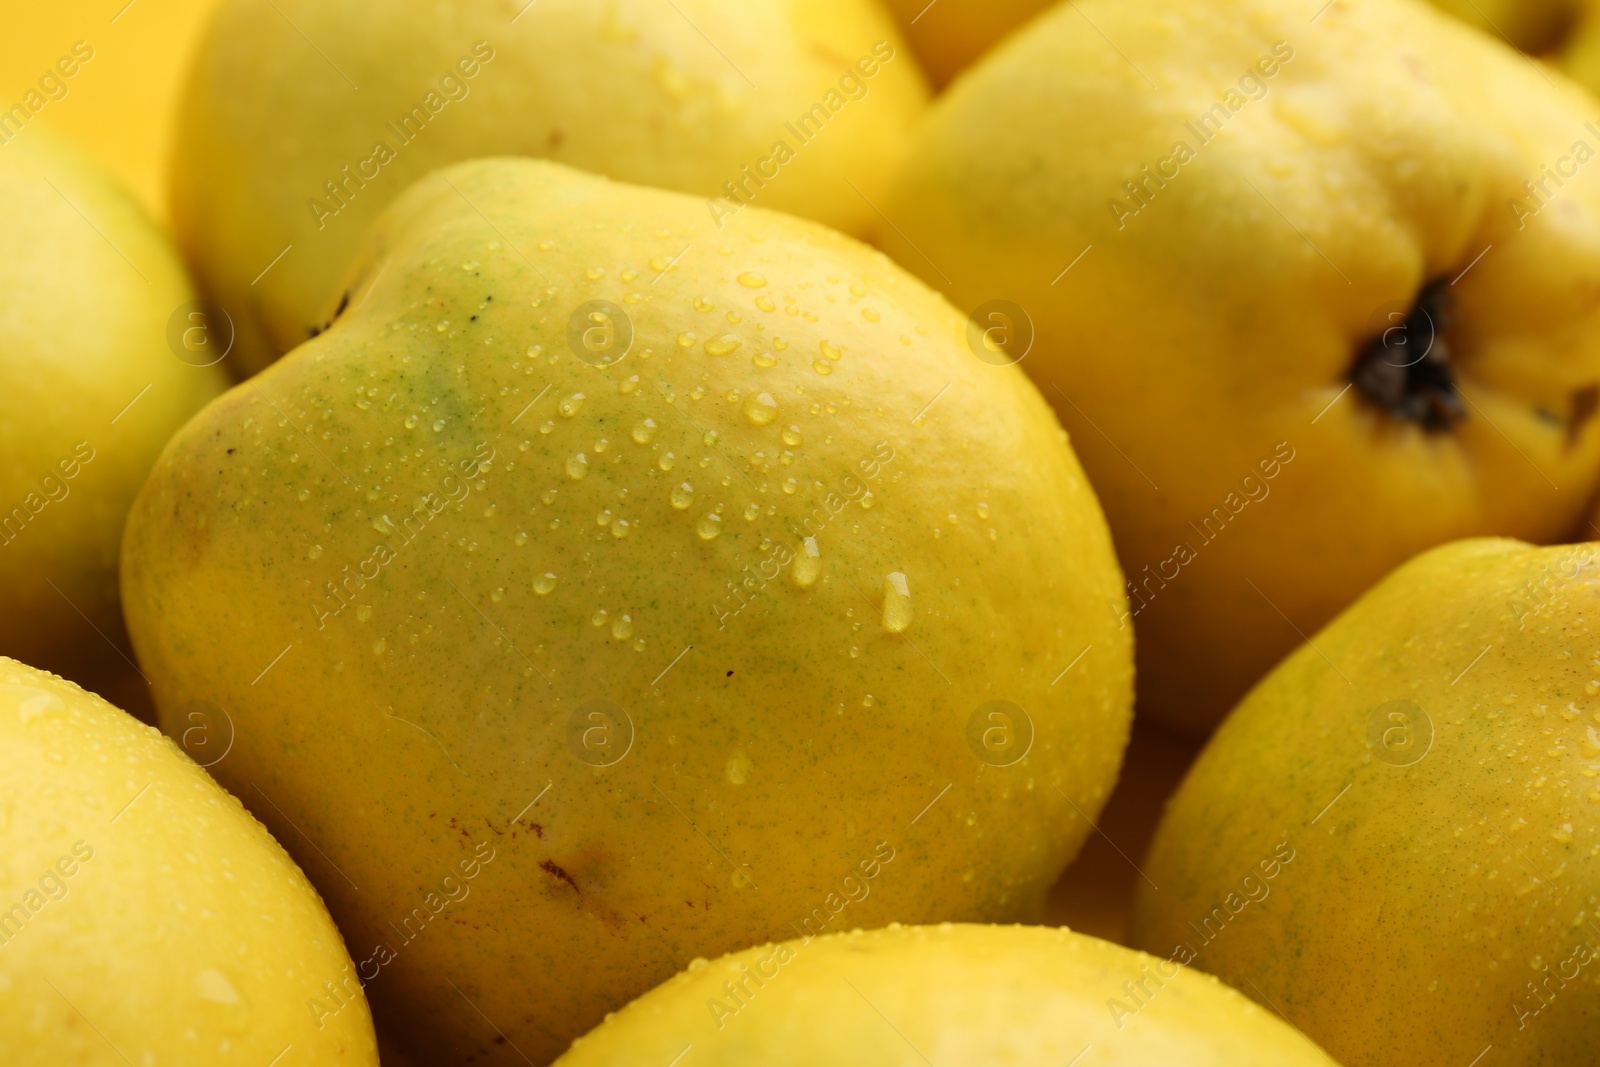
(1223,308)
(694,95)
(394,558)
(1029,996)
(89,393)
(1420,780)
(145,916)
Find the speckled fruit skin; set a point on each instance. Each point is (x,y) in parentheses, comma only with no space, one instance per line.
(949,35)
(781,734)
(1442,876)
(1216,330)
(959,994)
(87,288)
(682,95)
(145,916)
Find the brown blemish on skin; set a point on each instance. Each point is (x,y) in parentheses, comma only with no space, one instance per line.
(1585,404)
(551,867)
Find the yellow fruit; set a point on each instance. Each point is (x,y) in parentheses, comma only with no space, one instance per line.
(799,105)
(948,35)
(145,917)
(1392,839)
(1566,33)
(1303,318)
(1532,25)
(108,78)
(90,390)
(687,607)
(1028,996)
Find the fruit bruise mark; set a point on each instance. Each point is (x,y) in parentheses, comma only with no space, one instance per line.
(1585,404)
(551,867)
(1406,369)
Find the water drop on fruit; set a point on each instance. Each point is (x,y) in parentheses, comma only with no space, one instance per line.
(807,567)
(897,613)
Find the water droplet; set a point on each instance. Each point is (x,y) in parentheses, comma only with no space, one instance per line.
(897,613)
(822,366)
(621,528)
(867,500)
(628,385)
(594,273)
(571,405)
(470,265)
(411,422)
(438,425)
(738,768)
(578,467)
(666,461)
(704,303)
(807,564)
(869,701)
(548,496)
(498,595)
(753,280)
(644,431)
(602,444)
(544,584)
(983,511)
(710,438)
(709,526)
(599,617)
(726,344)
(379,647)
(832,351)
(547,426)
(686,340)
(682,496)
(622,629)
(761,409)
(604,518)
(764,359)
(521,538)
(751,512)
(790,485)
(314,552)
(870,314)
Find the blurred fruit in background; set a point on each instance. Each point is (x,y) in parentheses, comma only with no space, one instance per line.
(120,105)
(757,563)
(797,105)
(1392,839)
(1027,996)
(948,35)
(1095,895)
(1535,26)
(1321,298)
(1564,33)
(145,917)
(95,376)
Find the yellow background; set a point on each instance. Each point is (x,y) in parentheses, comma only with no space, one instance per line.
(120,104)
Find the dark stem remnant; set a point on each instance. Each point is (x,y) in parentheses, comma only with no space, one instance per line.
(550,867)
(1406,368)
(317,331)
